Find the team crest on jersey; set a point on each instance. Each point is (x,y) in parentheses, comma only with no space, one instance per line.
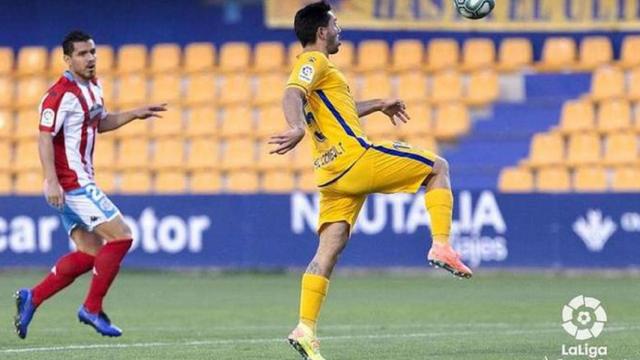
(47,118)
(306,73)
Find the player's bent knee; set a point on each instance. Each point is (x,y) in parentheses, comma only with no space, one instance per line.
(441,166)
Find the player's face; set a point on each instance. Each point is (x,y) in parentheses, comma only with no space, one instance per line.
(333,34)
(82,61)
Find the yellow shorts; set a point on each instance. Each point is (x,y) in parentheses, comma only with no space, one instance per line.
(387,167)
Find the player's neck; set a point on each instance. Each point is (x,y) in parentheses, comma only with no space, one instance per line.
(79,79)
(316,47)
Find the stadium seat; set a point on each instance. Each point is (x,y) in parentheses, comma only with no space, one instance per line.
(375,85)
(630,52)
(7,89)
(553,179)
(268,57)
(135,129)
(6,183)
(7,153)
(133,153)
(269,89)
(614,115)
(170,125)
(237,122)
(595,51)
(344,59)
(306,181)
(621,149)
(452,121)
(235,89)
(412,87)
(104,154)
(165,58)
(199,57)
(577,116)
(204,154)
(483,88)
(239,154)
(168,154)
(234,57)
(590,179)
(515,180)
(407,55)
(30,91)
(607,83)
(278,182)
(203,121)
(558,54)
(584,149)
(32,60)
(205,182)
(442,54)
(633,91)
(515,54)
(242,182)
(420,124)
(295,49)
(303,156)
(104,60)
(170,182)
(135,182)
(166,88)
(108,93)
(447,86)
(478,54)
(57,65)
(201,90)
(425,142)
(378,127)
(546,149)
(373,55)
(106,180)
(271,121)
(132,58)
(26,125)
(625,179)
(6,124)
(132,91)
(6,61)
(268,162)
(28,182)
(26,156)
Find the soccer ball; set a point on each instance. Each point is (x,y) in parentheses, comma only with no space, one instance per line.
(474,9)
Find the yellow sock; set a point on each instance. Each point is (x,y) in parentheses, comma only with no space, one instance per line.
(314,290)
(439,204)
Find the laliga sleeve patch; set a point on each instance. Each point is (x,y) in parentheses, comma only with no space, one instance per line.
(306,73)
(47,118)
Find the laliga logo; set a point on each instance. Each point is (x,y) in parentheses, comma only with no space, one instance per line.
(583,317)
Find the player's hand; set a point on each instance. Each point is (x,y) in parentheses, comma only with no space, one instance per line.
(53,193)
(286,141)
(149,111)
(396,110)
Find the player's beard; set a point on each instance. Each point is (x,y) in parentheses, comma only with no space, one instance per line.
(333,45)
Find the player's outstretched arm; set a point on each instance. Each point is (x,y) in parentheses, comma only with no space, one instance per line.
(293,112)
(52,189)
(116,120)
(395,109)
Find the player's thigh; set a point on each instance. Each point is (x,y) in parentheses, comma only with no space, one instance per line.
(338,207)
(89,208)
(86,241)
(114,229)
(399,167)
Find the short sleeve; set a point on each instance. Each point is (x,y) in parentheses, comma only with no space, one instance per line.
(54,109)
(308,71)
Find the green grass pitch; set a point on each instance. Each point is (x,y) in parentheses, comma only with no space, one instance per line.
(172,315)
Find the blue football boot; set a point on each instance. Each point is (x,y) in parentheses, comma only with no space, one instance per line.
(99,321)
(24,311)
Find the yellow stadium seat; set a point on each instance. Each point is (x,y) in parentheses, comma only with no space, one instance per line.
(199,57)
(242,182)
(132,91)
(621,148)
(239,154)
(546,149)
(57,65)
(590,179)
(30,91)
(614,115)
(201,90)
(203,121)
(630,52)
(373,55)
(412,87)
(607,83)
(234,57)
(268,162)
(278,182)
(446,87)
(32,60)
(170,125)
(7,153)
(421,122)
(269,90)
(425,142)
(204,154)
(166,88)
(134,129)
(303,156)
(132,58)
(6,183)
(625,179)
(104,60)
(168,154)
(6,124)
(595,51)
(28,182)
(379,127)
(442,54)
(165,58)
(515,54)
(104,154)
(270,121)
(577,116)
(478,54)
(133,153)
(205,182)
(7,90)
(108,92)
(237,122)
(26,126)
(306,182)
(375,85)
(558,53)
(515,180)
(553,179)
(344,59)
(407,55)
(170,182)
(483,88)
(106,180)
(584,149)
(6,61)
(26,156)
(452,121)
(236,89)
(268,57)
(633,91)
(135,182)
(295,49)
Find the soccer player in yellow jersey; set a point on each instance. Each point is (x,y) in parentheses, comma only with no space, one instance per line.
(348,166)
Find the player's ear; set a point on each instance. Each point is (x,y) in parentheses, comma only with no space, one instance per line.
(67,59)
(321,34)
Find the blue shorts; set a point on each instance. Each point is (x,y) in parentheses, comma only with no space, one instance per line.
(87,207)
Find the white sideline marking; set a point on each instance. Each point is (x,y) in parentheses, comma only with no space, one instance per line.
(275,340)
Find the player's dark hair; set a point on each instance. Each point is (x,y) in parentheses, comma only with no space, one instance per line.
(309,19)
(74,36)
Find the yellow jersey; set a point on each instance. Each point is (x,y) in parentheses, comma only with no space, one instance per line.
(331,116)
